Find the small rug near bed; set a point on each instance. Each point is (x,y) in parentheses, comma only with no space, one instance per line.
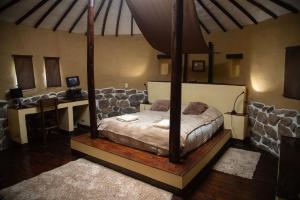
(238,162)
(82,179)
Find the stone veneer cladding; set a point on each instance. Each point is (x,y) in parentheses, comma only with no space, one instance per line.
(267,124)
(109,102)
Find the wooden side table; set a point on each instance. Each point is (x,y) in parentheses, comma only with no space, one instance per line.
(237,123)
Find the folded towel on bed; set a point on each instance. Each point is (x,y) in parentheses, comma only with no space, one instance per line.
(164,123)
(127,118)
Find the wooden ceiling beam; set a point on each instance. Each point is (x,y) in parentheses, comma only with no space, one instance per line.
(118,18)
(47,13)
(211,15)
(263,8)
(243,10)
(203,26)
(8,5)
(78,18)
(285,5)
(31,11)
(65,14)
(105,17)
(220,7)
(99,10)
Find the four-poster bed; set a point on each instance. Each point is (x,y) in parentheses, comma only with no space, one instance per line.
(176,173)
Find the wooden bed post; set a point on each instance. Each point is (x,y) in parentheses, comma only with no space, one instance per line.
(211,63)
(185,68)
(176,56)
(90,69)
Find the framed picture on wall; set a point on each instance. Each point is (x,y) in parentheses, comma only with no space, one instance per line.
(198,65)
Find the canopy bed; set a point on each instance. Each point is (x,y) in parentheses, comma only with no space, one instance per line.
(171,27)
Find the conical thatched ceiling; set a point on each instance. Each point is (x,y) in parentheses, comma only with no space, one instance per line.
(114,18)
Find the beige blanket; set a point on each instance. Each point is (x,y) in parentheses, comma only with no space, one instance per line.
(143,135)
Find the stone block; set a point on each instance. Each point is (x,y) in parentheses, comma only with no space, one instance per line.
(97,91)
(283,130)
(109,96)
(256,137)
(262,117)
(106,110)
(268,109)
(271,132)
(129,92)
(285,121)
(61,94)
(104,103)
(298,119)
(250,111)
(297,132)
(128,110)
(107,90)
(146,92)
(258,105)
(121,96)
(45,96)
(273,119)
(99,116)
(35,98)
(293,127)
(113,101)
(120,91)
(123,104)
(136,99)
(280,111)
(267,142)
(116,109)
(99,96)
(275,147)
(259,128)
(251,122)
(291,113)
(113,114)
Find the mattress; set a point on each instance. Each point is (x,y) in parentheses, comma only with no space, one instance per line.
(143,135)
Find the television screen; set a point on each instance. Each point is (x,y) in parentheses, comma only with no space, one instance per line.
(73,81)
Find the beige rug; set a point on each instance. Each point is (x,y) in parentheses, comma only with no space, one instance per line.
(238,162)
(82,179)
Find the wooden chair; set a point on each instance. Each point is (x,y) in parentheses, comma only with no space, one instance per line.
(48,116)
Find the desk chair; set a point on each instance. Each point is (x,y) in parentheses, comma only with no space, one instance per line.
(48,116)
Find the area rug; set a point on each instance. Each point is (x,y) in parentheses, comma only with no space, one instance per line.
(238,162)
(82,179)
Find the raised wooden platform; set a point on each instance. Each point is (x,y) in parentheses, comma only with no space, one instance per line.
(155,167)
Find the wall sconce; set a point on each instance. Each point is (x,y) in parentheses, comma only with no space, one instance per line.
(235,64)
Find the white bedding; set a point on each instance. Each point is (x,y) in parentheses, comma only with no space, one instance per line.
(142,134)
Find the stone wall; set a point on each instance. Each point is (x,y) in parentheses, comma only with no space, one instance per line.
(267,124)
(109,101)
(4,142)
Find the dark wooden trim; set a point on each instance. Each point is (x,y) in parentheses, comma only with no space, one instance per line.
(211,15)
(99,10)
(131,25)
(118,19)
(65,14)
(105,17)
(163,56)
(203,26)
(8,5)
(176,56)
(234,56)
(185,67)
(90,69)
(243,10)
(205,83)
(78,18)
(227,13)
(211,63)
(47,13)
(285,5)
(31,11)
(263,8)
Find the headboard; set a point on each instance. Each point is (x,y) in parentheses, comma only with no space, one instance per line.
(221,97)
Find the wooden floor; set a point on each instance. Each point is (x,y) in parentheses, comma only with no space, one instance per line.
(23,162)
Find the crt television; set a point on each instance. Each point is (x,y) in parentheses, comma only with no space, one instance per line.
(73,81)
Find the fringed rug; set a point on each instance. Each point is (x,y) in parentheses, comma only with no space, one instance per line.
(238,162)
(82,179)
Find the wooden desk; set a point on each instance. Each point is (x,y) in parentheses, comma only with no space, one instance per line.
(17,118)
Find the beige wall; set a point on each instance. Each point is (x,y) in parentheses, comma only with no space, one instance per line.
(262,68)
(118,60)
(131,60)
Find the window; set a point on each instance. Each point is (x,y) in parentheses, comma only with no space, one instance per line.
(52,72)
(24,71)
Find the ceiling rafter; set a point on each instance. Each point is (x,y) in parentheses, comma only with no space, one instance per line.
(203,26)
(211,15)
(65,14)
(220,7)
(243,10)
(54,5)
(263,8)
(105,17)
(31,11)
(8,5)
(118,18)
(285,5)
(99,10)
(78,18)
